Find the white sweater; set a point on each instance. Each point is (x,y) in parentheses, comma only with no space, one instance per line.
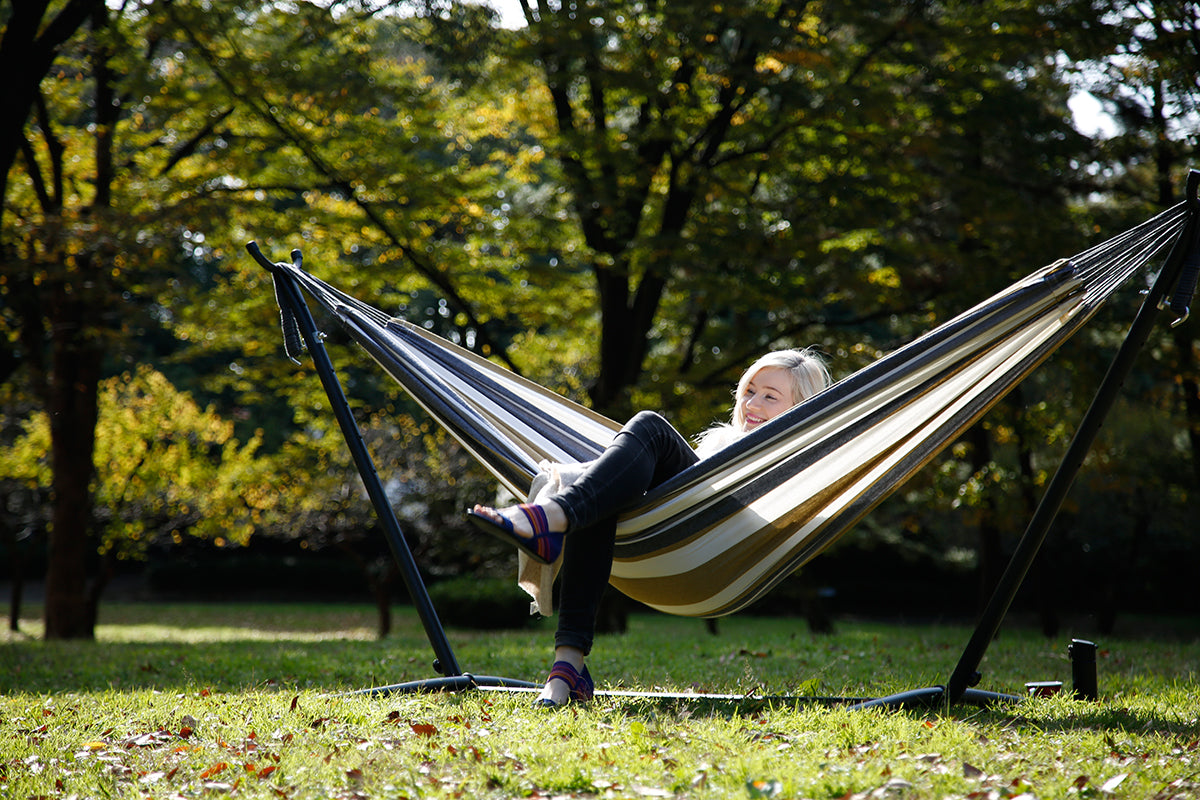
(715,438)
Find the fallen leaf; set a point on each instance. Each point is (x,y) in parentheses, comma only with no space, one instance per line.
(764,788)
(424,730)
(1112,783)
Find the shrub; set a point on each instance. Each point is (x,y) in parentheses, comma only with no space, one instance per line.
(477,602)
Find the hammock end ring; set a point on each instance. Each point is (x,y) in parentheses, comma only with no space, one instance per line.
(1183,316)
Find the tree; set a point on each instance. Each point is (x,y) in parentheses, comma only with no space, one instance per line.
(623,200)
(1144,72)
(58,288)
(167,469)
(91,233)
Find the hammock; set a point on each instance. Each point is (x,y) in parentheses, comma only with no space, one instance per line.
(721,534)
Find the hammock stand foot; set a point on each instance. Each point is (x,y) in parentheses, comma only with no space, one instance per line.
(452,684)
(936,697)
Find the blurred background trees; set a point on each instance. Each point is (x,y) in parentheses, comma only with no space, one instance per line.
(623,201)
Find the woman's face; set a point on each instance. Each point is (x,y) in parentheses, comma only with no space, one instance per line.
(767,395)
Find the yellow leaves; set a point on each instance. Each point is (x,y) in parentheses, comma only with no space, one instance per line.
(886,277)
(157,453)
(770,64)
(27,459)
(850,241)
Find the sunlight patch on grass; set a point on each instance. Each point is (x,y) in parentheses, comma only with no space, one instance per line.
(147,633)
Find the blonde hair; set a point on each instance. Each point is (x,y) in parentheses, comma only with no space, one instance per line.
(806,368)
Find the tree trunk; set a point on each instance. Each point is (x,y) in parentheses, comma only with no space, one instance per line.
(17,575)
(380,575)
(75,358)
(991,556)
(76,309)
(624,330)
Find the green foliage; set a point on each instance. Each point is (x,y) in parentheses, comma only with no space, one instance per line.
(165,468)
(626,205)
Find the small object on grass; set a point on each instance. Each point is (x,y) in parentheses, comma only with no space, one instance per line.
(1043,688)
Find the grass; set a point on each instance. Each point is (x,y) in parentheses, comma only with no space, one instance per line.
(183,701)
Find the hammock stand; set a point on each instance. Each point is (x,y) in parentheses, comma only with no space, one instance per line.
(1180,271)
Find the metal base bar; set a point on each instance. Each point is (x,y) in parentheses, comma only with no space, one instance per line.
(927,698)
(937,696)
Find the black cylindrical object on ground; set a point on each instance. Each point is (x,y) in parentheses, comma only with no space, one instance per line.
(1083,669)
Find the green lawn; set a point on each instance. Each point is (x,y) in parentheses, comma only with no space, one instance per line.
(254,701)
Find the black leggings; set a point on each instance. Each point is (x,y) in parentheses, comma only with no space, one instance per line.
(644,454)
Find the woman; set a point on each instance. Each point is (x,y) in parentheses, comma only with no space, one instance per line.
(580,521)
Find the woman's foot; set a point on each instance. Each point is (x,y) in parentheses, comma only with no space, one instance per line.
(569,682)
(556,518)
(535,529)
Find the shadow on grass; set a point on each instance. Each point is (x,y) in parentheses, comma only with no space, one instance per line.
(331,649)
(331,665)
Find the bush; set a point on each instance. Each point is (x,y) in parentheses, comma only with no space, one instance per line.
(240,575)
(484,603)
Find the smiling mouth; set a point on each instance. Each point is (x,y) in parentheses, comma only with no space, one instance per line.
(752,421)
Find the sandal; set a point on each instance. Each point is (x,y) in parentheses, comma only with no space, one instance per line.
(544,546)
(580,684)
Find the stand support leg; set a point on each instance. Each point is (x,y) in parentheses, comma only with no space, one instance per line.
(966,672)
(289,293)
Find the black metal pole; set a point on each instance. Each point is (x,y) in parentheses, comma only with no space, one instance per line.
(289,293)
(966,673)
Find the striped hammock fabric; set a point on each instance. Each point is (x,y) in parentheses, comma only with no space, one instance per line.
(721,534)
